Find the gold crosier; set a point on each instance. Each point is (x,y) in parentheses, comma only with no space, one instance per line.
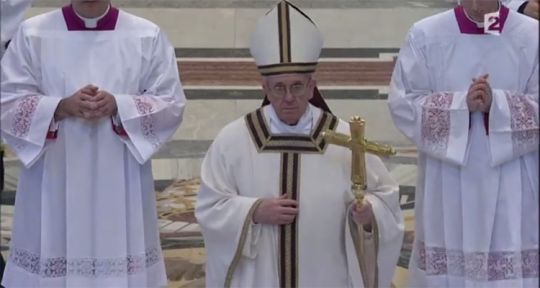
(359,146)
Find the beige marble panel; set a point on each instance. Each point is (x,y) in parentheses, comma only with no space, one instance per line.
(405,174)
(346,28)
(188,168)
(204,118)
(167,169)
(379,125)
(231,28)
(36,11)
(193,27)
(401,278)
(367,27)
(246,19)
(244,107)
(209,28)
(164,169)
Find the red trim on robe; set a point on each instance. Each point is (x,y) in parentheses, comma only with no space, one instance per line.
(486,122)
(51,135)
(74,23)
(119,130)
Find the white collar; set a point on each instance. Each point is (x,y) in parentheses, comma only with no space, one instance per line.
(92,22)
(303,127)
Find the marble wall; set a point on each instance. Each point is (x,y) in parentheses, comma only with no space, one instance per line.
(231,27)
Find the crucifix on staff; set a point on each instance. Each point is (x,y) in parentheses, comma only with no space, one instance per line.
(358,145)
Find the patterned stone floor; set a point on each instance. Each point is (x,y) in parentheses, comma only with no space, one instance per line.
(181,238)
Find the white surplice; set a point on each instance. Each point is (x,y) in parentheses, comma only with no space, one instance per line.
(85,213)
(513,4)
(12,14)
(477,190)
(237,172)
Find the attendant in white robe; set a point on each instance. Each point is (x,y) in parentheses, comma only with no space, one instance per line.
(469,101)
(11,15)
(89,94)
(529,8)
(275,205)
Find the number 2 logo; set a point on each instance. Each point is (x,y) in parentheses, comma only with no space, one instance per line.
(495,24)
(492,23)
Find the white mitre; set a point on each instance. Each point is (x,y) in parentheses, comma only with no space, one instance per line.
(286,40)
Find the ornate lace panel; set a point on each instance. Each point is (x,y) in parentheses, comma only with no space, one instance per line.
(436,122)
(523,122)
(86,267)
(478,266)
(145,107)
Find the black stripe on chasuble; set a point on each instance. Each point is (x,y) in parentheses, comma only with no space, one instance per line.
(288,256)
(291,147)
(294,143)
(284,27)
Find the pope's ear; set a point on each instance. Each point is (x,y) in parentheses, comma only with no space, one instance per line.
(264,85)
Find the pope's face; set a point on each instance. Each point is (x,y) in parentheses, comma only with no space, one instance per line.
(289,94)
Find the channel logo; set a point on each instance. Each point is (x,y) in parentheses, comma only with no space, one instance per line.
(492,23)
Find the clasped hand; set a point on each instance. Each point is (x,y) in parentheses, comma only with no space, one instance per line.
(88,103)
(362,214)
(479,96)
(277,211)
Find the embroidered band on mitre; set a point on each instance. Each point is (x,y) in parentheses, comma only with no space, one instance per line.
(286,41)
